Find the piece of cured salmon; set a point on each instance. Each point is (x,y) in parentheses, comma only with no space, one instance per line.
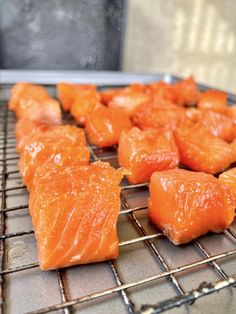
(229,178)
(201,151)
(33,102)
(186,92)
(214,100)
(85,102)
(219,125)
(158,116)
(105,124)
(143,152)
(161,93)
(23,91)
(186,204)
(67,92)
(129,99)
(75,212)
(64,145)
(108,94)
(25,128)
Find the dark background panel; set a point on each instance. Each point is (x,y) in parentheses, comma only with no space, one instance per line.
(58,34)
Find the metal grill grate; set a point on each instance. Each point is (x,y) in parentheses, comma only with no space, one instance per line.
(146,259)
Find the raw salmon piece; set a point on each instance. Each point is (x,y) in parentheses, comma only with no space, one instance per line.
(156,116)
(186,204)
(67,92)
(186,92)
(105,124)
(84,103)
(47,111)
(233,146)
(130,98)
(75,212)
(23,91)
(193,114)
(201,151)
(232,113)
(143,152)
(64,144)
(25,128)
(108,94)
(214,100)
(229,178)
(219,125)
(161,93)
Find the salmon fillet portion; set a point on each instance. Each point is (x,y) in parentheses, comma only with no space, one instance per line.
(67,92)
(152,115)
(214,100)
(75,212)
(129,99)
(219,125)
(23,91)
(84,103)
(64,145)
(229,178)
(186,92)
(104,126)
(143,152)
(185,204)
(33,102)
(201,151)
(25,128)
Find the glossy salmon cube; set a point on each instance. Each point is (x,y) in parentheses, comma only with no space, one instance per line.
(84,104)
(219,125)
(161,93)
(158,116)
(75,211)
(201,151)
(64,145)
(47,111)
(108,94)
(185,205)
(186,92)
(232,113)
(25,128)
(67,92)
(129,99)
(23,92)
(143,152)
(214,100)
(229,178)
(104,126)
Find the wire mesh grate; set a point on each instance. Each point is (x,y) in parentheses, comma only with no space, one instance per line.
(138,238)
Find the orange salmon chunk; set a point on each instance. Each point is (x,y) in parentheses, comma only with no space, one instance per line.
(214,100)
(67,92)
(143,152)
(201,151)
(104,126)
(23,91)
(74,212)
(129,99)
(25,128)
(158,116)
(64,145)
(186,92)
(229,178)
(84,103)
(185,205)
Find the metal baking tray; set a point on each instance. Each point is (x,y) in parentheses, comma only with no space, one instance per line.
(151,275)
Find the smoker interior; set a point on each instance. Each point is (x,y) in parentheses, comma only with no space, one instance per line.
(149,270)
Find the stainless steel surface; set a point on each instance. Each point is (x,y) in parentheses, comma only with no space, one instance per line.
(149,269)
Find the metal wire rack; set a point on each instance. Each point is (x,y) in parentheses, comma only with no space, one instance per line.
(129,289)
